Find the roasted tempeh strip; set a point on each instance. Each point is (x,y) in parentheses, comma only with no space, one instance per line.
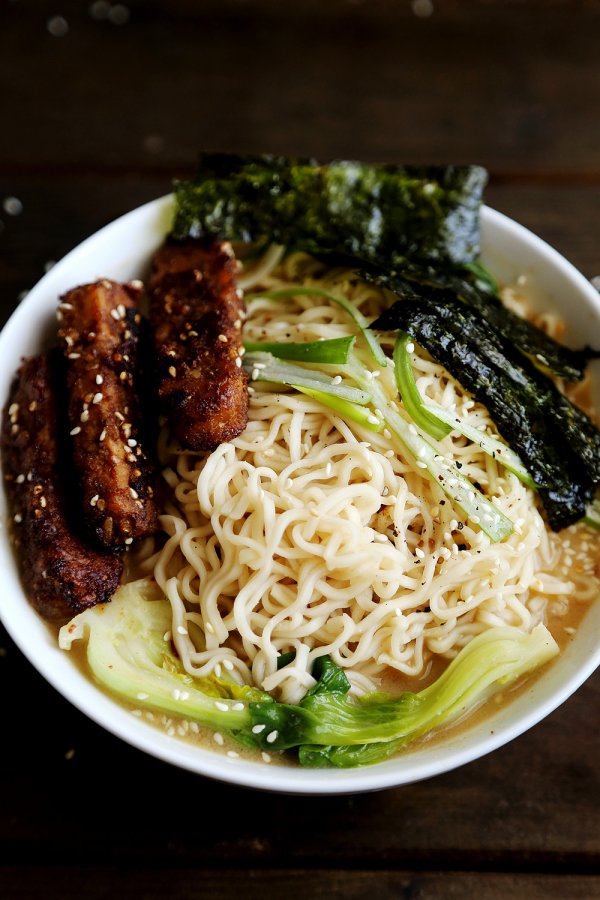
(61,574)
(99,328)
(196,316)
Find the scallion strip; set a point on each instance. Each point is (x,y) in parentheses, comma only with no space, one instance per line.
(359,414)
(478,509)
(423,417)
(355,314)
(331,352)
(264,367)
(437,422)
(498,450)
(592,513)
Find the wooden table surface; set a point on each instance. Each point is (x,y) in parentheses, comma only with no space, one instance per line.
(100,106)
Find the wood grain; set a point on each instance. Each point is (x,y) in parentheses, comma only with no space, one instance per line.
(99,121)
(512,86)
(296,884)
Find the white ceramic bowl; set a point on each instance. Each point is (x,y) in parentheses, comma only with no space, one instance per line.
(122,251)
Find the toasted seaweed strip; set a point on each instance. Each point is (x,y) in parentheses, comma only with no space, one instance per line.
(526,407)
(373,214)
(445,282)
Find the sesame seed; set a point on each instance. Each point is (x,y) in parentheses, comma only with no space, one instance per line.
(128,541)
(97,398)
(420,553)
(84,415)
(75,430)
(272,737)
(373,420)
(209,628)
(258,728)
(18,518)
(131,442)
(115,314)
(410,347)
(102,434)
(121,310)
(123,376)
(421,465)
(167,636)
(13,409)
(238,707)
(43,502)
(181,629)
(238,362)
(233,754)
(337,379)
(222,706)
(222,338)
(387,434)
(133,493)
(172,371)
(228,665)
(265,756)
(20,479)
(99,379)
(74,355)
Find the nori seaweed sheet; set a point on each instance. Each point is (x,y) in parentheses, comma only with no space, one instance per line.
(375,214)
(557,441)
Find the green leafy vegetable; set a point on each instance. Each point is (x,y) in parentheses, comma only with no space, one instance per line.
(127,653)
(478,509)
(265,367)
(350,411)
(377,214)
(328,718)
(355,314)
(329,352)
(592,514)
(421,415)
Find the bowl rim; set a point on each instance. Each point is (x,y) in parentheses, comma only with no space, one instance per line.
(20,619)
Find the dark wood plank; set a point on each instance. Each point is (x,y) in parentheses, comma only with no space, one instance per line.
(74,795)
(193,884)
(512,85)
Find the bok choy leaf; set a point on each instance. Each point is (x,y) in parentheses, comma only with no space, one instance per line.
(129,653)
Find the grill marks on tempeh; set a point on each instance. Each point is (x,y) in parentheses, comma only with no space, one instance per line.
(99,337)
(196,315)
(61,574)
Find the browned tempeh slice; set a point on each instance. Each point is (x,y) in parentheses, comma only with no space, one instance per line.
(196,316)
(99,337)
(61,574)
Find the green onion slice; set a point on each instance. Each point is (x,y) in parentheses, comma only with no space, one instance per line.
(421,415)
(331,352)
(355,314)
(265,367)
(346,409)
(478,509)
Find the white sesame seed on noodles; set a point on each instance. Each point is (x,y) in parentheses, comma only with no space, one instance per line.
(314,534)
